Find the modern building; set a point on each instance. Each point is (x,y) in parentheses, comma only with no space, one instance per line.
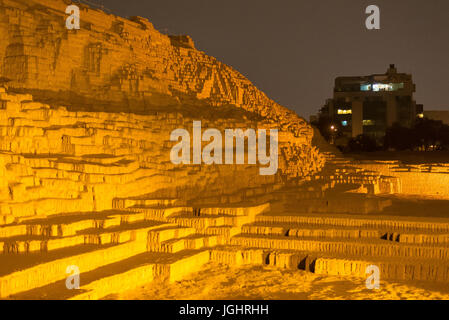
(371,104)
(440,115)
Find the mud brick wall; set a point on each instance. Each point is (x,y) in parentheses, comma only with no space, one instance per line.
(57,161)
(115,65)
(422,179)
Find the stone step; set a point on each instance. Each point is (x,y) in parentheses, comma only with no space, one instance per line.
(109,227)
(158,213)
(122,233)
(349,203)
(26,245)
(204,221)
(117,235)
(70,225)
(144,202)
(24,273)
(13,231)
(391,268)
(360,221)
(239,209)
(192,242)
(298,195)
(51,227)
(421,238)
(235,199)
(322,232)
(309,231)
(167,233)
(235,255)
(225,231)
(124,275)
(353,247)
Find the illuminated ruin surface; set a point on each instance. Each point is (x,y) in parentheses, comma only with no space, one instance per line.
(86,177)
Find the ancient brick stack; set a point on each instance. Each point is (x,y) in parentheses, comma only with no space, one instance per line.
(114,64)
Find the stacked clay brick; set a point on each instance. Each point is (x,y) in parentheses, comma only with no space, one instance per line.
(118,65)
(57,161)
(86,177)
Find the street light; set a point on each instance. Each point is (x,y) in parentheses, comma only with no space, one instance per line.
(333,133)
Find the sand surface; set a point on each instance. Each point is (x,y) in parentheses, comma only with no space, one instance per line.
(220,282)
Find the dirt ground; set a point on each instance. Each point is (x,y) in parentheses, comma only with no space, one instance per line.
(220,282)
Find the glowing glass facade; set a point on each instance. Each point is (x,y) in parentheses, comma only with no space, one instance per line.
(381,87)
(371,104)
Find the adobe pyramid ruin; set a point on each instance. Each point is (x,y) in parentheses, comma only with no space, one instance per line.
(87,181)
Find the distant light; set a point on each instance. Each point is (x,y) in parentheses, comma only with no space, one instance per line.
(344,123)
(421,115)
(382,87)
(365,87)
(332,127)
(344,111)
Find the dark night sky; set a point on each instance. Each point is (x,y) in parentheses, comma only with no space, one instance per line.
(294,49)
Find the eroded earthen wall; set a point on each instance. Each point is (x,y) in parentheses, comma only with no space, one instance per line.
(114,64)
(56,161)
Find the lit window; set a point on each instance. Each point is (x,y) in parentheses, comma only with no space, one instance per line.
(343,111)
(382,87)
(397,86)
(368,122)
(365,87)
(344,123)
